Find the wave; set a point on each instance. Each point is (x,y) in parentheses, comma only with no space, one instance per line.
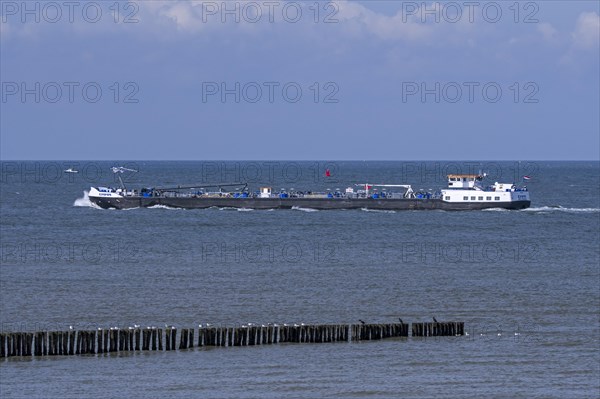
(561,209)
(160,206)
(245,209)
(377,210)
(297,208)
(495,210)
(85,201)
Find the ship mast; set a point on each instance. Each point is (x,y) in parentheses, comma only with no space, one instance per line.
(121,169)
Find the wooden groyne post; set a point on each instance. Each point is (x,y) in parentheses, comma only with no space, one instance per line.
(136,339)
(438,329)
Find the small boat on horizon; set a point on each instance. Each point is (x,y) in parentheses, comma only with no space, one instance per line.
(71,170)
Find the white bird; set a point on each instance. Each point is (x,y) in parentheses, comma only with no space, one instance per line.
(136,326)
(199,325)
(70,327)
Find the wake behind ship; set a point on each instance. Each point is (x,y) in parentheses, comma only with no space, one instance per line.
(464,192)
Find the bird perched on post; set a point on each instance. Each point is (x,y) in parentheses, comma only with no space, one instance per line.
(361,322)
(401,322)
(434,320)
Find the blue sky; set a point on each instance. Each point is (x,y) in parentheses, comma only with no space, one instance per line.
(380,80)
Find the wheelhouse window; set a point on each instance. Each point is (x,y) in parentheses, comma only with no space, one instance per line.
(447,198)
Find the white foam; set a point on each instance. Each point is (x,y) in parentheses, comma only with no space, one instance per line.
(245,209)
(297,208)
(561,209)
(377,210)
(160,206)
(85,201)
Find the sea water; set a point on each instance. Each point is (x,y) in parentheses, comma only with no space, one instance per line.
(526,283)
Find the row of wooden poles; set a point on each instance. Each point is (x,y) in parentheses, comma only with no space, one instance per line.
(72,342)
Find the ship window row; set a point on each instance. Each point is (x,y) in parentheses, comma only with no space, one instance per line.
(463,179)
(466,198)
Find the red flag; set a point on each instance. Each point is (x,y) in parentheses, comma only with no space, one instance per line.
(327,173)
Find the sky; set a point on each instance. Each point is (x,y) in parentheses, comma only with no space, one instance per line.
(292,80)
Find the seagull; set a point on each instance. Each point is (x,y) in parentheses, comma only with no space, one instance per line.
(70,327)
(199,325)
(401,322)
(361,322)
(434,320)
(136,326)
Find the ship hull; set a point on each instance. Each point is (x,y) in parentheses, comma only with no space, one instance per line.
(312,203)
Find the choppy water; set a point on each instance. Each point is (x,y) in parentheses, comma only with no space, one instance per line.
(526,283)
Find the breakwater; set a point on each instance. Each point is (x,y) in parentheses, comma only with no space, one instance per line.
(169,338)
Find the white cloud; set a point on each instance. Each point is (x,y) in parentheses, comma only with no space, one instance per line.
(358,18)
(587,31)
(548,31)
(184,16)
